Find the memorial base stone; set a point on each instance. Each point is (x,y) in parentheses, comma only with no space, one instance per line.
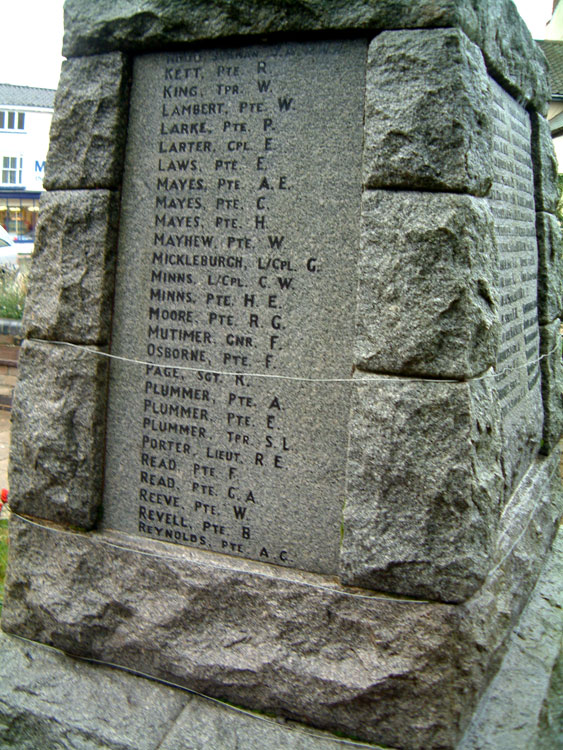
(404,673)
(51,700)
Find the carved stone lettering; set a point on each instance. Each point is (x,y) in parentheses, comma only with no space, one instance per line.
(512,204)
(236,280)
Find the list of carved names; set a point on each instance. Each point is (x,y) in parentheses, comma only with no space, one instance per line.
(236,274)
(512,205)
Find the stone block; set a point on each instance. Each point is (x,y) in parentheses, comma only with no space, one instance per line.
(551,384)
(204,724)
(511,54)
(494,25)
(57,439)
(89,125)
(551,717)
(522,708)
(550,268)
(399,672)
(436,253)
(72,274)
(49,700)
(48,697)
(427,120)
(423,492)
(545,165)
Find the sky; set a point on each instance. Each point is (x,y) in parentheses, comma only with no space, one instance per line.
(536,13)
(30,53)
(32,38)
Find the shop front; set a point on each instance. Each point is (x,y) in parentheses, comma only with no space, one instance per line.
(18,215)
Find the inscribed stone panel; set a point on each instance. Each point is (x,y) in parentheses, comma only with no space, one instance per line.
(512,205)
(239,236)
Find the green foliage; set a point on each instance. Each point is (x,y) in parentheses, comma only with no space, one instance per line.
(13,290)
(3,556)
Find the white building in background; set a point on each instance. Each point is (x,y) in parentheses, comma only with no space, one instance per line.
(552,47)
(25,119)
(554,28)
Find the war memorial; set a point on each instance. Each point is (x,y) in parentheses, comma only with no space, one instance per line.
(285,459)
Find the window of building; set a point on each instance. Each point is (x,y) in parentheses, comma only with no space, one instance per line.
(12,170)
(12,120)
(18,215)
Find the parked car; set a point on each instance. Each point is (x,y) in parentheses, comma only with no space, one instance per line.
(11,254)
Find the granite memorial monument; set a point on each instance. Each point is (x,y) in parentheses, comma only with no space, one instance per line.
(290,397)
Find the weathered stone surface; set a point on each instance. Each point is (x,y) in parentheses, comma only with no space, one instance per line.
(533,510)
(551,384)
(512,205)
(403,672)
(58,421)
(238,281)
(518,387)
(50,701)
(72,273)
(494,25)
(427,113)
(551,717)
(550,271)
(517,711)
(511,54)
(203,725)
(53,701)
(423,488)
(88,129)
(545,164)
(435,252)
(400,672)
(232,632)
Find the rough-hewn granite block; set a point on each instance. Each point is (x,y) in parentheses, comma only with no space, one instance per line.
(494,25)
(550,268)
(89,125)
(53,701)
(423,487)
(46,696)
(395,671)
(204,724)
(551,384)
(58,421)
(545,164)
(435,252)
(50,701)
(72,273)
(551,718)
(427,124)
(511,54)
(520,710)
